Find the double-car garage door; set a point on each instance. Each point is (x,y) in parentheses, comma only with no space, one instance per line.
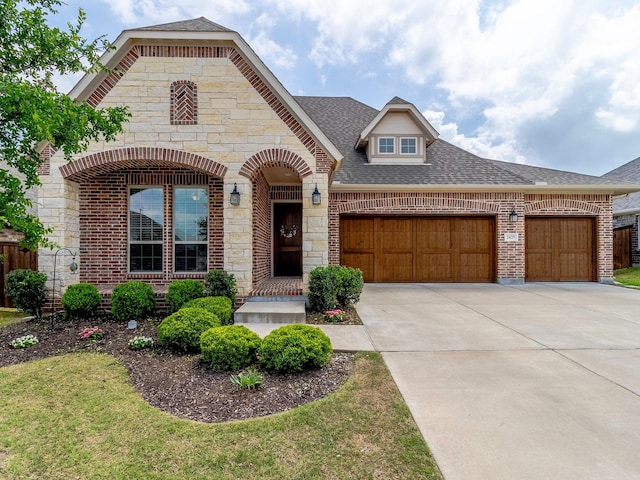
(462,248)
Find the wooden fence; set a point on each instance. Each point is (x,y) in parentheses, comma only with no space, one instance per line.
(14,258)
(622,247)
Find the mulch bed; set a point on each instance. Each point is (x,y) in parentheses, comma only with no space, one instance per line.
(179,384)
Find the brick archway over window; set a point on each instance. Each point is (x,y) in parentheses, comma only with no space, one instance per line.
(274,157)
(138,157)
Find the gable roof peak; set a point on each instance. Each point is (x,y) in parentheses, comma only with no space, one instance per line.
(398,101)
(200,24)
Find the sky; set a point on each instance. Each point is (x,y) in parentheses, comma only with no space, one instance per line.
(553,83)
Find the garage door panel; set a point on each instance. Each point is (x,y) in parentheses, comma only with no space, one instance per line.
(424,249)
(559,249)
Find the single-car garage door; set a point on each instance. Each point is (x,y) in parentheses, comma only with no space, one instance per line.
(419,249)
(559,249)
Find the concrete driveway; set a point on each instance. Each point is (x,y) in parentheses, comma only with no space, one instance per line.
(540,381)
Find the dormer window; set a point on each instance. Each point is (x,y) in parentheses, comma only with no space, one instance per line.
(386,145)
(409,146)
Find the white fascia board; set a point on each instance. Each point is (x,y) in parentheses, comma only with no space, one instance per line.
(628,211)
(110,59)
(586,189)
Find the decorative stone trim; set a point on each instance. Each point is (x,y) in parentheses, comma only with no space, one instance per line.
(138,157)
(562,205)
(274,157)
(383,205)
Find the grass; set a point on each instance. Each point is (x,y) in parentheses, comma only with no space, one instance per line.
(628,276)
(77,416)
(9,316)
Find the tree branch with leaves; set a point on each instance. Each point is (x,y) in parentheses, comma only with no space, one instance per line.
(33,111)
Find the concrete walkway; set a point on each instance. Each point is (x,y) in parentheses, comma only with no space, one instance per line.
(540,381)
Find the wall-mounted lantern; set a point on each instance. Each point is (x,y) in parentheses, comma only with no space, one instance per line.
(234,197)
(316,197)
(513,216)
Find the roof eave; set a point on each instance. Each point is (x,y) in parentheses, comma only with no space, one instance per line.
(478,187)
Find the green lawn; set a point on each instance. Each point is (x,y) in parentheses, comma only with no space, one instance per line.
(628,276)
(77,416)
(9,316)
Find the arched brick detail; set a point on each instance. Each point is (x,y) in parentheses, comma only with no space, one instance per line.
(562,205)
(274,157)
(138,157)
(418,204)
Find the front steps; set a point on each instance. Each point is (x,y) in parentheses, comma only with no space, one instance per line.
(271,311)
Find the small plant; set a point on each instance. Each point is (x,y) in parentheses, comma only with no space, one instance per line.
(218,283)
(221,306)
(250,379)
(140,342)
(92,333)
(229,348)
(133,300)
(181,331)
(81,300)
(24,342)
(28,291)
(181,291)
(333,316)
(294,348)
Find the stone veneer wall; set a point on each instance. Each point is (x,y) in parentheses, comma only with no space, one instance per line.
(511,255)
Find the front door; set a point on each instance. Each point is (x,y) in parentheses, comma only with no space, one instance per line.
(287,239)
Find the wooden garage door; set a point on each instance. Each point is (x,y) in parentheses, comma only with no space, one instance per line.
(559,249)
(419,249)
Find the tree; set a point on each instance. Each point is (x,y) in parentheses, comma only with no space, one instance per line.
(32,110)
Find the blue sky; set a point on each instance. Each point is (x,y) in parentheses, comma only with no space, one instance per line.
(554,83)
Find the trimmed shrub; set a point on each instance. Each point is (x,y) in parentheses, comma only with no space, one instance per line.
(218,283)
(231,347)
(27,290)
(181,331)
(81,300)
(221,306)
(181,291)
(133,300)
(334,286)
(294,348)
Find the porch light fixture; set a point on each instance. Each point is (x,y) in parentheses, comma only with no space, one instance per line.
(316,197)
(234,197)
(513,216)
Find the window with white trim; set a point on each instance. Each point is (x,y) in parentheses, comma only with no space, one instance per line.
(409,146)
(146,225)
(386,145)
(190,228)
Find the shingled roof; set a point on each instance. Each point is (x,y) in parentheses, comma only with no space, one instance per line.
(200,24)
(629,172)
(343,118)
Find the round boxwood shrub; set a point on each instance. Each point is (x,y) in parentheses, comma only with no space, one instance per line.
(81,300)
(231,347)
(133,300)
(294,348)
(218,283)
(182,330)
(221,306)
(181,291)
(27,289)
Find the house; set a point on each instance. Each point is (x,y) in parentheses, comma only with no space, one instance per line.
(221,167)
(626,212)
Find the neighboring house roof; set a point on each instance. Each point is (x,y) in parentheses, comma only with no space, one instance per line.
(343,119)
(630,172)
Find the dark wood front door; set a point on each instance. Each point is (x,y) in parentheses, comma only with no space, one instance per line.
(287,239)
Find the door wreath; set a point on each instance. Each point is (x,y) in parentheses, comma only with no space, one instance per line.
(288,231)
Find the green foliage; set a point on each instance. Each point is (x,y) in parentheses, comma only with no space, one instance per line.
(231,347)
(221,306)
(25,341)
(218,283)
(181,331)
(181,291)
(247,380)
(294,348)
(133,300)
(33,111)
(140,342)
(28,291)
(333,286)
(81,300)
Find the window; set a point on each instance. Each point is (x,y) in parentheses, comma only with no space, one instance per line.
(408,146)
(386,145)
(146,227)
(191,228)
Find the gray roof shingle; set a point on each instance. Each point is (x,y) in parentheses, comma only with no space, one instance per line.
(200,24)
(343,119)
(629,172)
